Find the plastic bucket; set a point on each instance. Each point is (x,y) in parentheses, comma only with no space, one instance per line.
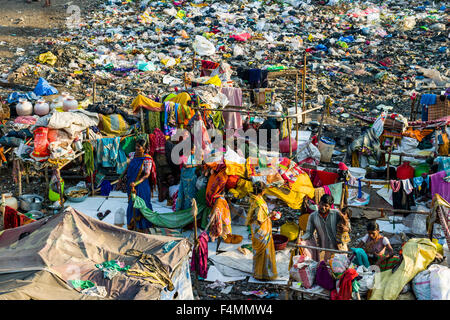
(326,147)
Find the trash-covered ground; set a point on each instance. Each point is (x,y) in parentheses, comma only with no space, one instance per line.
(367,56)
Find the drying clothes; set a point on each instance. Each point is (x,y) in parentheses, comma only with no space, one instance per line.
(105,188)
(344,291)
(427,100)
(444,164)
(154,120)
(109,155)
(336,192)
(407,186)
(150,268)
(112,268)
(143,102)
(402,200)
(443,144)
(160,140)
(113,124)
(88,157)
(199,260)
(234,96)
(218,120)
(318,193)
(220,219)
(440,212)
(182,98)
(187,190)
(243,188)
(233,120)
(169,119)
(419,135)
(112,109)
(439,186)
(128,145)
(294,195)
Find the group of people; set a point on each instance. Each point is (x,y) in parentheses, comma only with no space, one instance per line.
(326,228)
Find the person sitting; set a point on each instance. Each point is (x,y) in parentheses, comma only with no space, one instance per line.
(378,248)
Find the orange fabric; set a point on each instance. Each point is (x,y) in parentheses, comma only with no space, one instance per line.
(216,185)
(221,219)
(417,134)
(443,149)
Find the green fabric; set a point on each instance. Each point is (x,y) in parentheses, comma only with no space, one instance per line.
(336,192)
(82,284)
(154,121)
(128,145)
(355,286)
(177,219)
(170,96)
(203,209)
(112,265)
(88,157)
(218,120)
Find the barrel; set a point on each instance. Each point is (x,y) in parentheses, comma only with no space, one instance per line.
(326,147)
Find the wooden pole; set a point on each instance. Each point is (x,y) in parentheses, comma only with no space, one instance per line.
(388,209)
(323,249)
(61,198)
(304,90)
(296,107)
(19,176)
(94,90)
(195,249)
(141,112)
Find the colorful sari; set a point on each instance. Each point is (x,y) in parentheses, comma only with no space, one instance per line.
(373,247)
(264,262)
(216,185)
(220,219)
(187,190)
(135,220)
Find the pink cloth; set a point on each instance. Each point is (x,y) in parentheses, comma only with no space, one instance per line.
(241,37)
(439,186)
(25,120)
(234,96)
(199,259)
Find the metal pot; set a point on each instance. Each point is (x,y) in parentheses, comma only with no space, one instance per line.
(31,202)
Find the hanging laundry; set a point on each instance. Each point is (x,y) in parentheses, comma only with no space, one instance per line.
(143,102)
(199,260)
(439,186)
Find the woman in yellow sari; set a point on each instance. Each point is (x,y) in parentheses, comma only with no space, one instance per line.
(258,218)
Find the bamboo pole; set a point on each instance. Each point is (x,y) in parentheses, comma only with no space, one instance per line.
(195,249)
(304,90)
(19,176)
(388,209)
(323,249)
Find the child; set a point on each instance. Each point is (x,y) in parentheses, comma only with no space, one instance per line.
(343,227)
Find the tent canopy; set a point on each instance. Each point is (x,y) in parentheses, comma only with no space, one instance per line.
(66,247)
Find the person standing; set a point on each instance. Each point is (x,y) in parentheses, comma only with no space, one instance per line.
(258,218)
(139,170)
(324,222)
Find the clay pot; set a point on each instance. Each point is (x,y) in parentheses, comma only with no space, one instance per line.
(70,104)
(24,107)
(41,108)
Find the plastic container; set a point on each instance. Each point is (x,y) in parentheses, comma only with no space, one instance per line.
(357,172)
(54,195)
(290,230)
(280,241)
(326,148)
(119,217)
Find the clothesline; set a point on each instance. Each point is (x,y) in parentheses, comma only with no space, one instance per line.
(388,209)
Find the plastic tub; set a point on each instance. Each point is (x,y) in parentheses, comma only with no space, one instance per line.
(280,241)
(357,172)
(326,147)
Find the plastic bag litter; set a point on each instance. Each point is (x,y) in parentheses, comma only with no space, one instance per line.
(203,47)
